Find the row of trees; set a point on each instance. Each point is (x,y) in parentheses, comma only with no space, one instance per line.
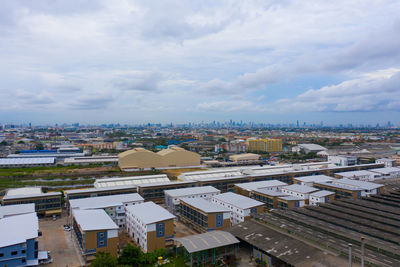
(130,256)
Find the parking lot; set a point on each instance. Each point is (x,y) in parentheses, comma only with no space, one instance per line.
(59,242)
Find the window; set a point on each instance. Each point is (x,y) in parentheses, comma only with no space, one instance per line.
(1,255)
(14,253)
(23,251)
(23,260)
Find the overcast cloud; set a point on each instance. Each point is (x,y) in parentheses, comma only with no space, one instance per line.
(178,61)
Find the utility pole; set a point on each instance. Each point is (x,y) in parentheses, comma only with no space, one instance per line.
(350,255)
(362,250)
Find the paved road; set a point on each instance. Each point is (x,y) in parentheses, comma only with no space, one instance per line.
(59,243)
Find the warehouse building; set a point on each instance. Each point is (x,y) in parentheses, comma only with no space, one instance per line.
(114,205)
(242,207)
(27,162)
(46,204)
(359,175)
(18,209)
(95,232)
(204,215)
(173,157)
(105,160)
(18,240)
(130,181)
(247,158)
(173,196)
(309,180)
(150,226)
(246,188)
(98,192)
(310,148)
(207,247)
(268,197)
(155,191)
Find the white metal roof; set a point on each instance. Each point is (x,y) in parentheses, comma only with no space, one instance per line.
(105,201)
(261,184)
(357,183)
(289,198)
(312,147)
(133,180)
(191,191)
(7,197)
(205,241)
(238,201)
(387,170)
(24,191)
(204,205)
(90,220)
(27,161)
(313,178)
(301,188)
(350,174)
(11,210)
(90,190)
(149,212)
(270,192)
(322,193)
(17,229)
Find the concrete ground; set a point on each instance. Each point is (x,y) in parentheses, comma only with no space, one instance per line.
(182,230)
(60,243)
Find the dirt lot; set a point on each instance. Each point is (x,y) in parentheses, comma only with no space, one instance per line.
(59,242)
(183,230)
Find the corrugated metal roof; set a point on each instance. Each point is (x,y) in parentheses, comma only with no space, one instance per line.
(209,240)
(17,229)
(314,178)
(18,209)
(133,180)
(105,201)
(27,161)
(300,188)
(261,184)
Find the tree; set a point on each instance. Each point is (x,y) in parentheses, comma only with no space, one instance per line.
(104,260)
(3,143)
(130,256)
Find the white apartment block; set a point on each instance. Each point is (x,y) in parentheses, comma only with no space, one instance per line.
(309,180)
(242,207)
(149,225)
(173,196)
(322,196)
(388,162)
(299,191)
(113,205)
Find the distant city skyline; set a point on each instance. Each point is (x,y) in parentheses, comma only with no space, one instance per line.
(133,62)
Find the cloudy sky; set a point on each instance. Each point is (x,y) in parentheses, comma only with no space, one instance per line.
(178,61)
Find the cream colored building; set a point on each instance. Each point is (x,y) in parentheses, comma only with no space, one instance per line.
(140,158)
(244,158)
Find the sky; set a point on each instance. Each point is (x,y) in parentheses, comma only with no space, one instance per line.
(272,61)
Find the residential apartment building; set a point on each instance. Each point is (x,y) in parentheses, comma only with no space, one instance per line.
(266,145)
(150,225)
(242,207)
(246,188)
(289,202)
(309,180)
(95,232)
(18,240)
(173,196)
(19,209)
(204,215)
(322,196)
(300,191)
(268,197)
(113,205)
(348,188)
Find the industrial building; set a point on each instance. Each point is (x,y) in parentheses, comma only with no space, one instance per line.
(150,225)
(309,180)
(46,204)
(18,240)
(207,247)
(242,207)
(129,181)
(18,209)
(173,157)
(155,191)
(341,160)
(247,158)
(105,160)
(173,196)
(309,148)
(388,162)
(265,145)
(204,215)
(95,232)
(114,205)
(27,162)
(246,188)
(359,175)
